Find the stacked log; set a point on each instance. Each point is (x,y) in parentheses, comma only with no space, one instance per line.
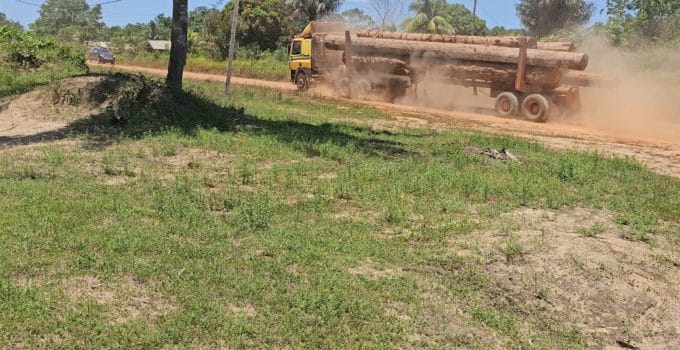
(483,65)
(563,46)
(432,52)
(504,41)
(497,75)
(500,75)
(381,65)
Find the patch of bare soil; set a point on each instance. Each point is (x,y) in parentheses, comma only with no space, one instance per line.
(126,299)
(48,110)
(574,268)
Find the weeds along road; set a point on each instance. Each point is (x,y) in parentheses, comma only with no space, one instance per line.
(661,153)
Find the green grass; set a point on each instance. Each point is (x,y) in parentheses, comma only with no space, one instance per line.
(267,67)
(239,223)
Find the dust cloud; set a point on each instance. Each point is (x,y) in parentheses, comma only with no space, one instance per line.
(646,101)
(644,104)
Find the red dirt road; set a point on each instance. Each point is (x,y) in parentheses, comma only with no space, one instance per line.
(660,151)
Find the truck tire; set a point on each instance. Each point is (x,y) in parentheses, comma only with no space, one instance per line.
(302,81)
(507,104)
(536,108)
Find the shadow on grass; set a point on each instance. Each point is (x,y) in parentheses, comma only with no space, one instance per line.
(149,110)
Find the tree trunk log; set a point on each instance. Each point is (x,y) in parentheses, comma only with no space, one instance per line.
(431,53)
(178,48)
(557,46)
(506,41)
(502,75)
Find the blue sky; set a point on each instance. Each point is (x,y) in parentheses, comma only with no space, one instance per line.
(495,12)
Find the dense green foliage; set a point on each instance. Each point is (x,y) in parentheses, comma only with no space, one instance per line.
(543,17)
(28,59)
(439,16)
(635,22)
(428,18)
(312,10)
(69,20)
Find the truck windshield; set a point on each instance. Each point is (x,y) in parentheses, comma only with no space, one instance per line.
(297,48)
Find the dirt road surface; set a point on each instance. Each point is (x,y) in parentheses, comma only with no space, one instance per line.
(660,152)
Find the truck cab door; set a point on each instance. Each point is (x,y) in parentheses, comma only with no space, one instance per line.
(300,54)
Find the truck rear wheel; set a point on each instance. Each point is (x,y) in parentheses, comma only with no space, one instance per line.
(302,81)
(507,104)
(536,108)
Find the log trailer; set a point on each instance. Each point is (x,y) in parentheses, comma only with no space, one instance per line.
(534,80)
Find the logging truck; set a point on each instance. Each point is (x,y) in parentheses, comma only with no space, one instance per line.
(527,78)
(310,62)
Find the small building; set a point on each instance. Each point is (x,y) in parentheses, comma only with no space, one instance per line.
(158,45)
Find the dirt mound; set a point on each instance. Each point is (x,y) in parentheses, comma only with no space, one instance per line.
(575,269)
(52,107)
(48,112)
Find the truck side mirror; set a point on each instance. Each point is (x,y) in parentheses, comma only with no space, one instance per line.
(288,49)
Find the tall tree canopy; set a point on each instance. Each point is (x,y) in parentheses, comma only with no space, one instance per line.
(262,24)
(69,20)
(643,19)
(429,18)
(543,17)
(311,10)
(462,20)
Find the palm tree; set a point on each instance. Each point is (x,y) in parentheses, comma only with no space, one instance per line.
(427,18)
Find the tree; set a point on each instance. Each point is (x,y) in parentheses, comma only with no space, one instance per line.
(178,48)
(160,27)
(387,11)
(462,20)
(311,10)
(69,20)
(356,19)
(262,25)
(4,21)
(543,17)
(428,18)
(643,19)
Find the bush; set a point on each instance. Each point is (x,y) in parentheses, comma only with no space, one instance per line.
(25,50)
(28,59)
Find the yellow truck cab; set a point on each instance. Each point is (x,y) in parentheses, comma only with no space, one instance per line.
(308,59)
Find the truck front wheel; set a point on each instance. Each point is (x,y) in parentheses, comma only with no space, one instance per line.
(302,81)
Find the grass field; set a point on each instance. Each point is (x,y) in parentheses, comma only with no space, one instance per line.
(279,220)
(268,67)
